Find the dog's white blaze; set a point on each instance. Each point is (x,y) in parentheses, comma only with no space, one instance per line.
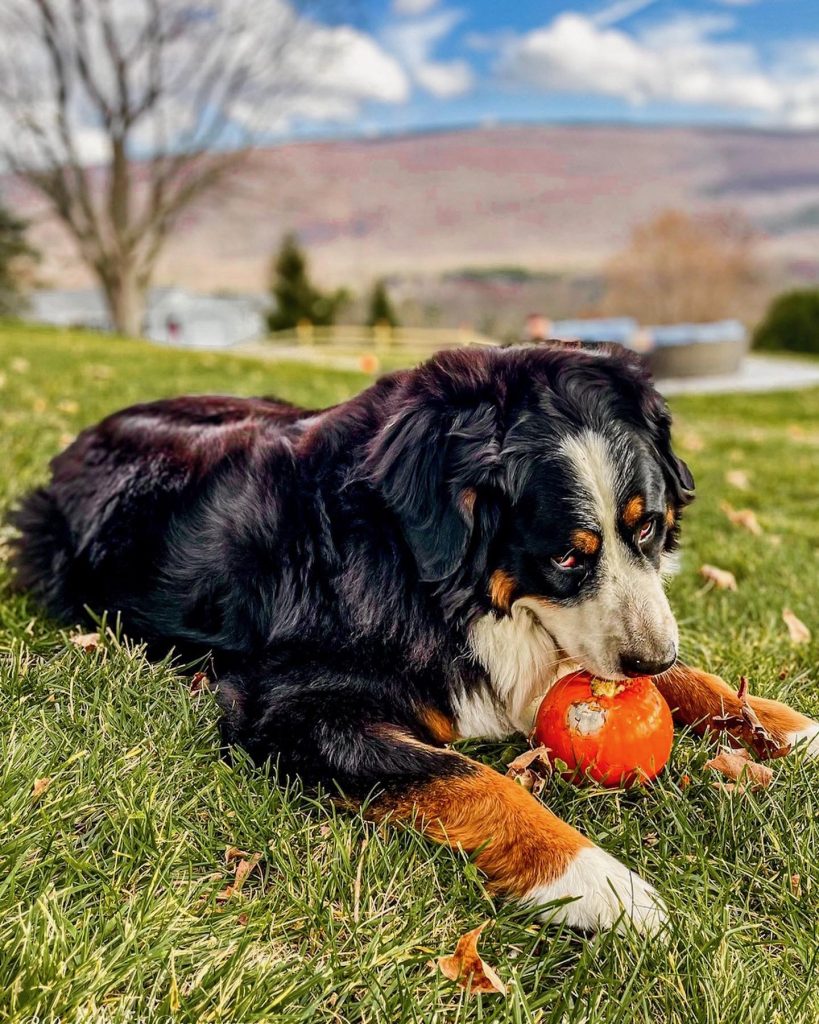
(606,895)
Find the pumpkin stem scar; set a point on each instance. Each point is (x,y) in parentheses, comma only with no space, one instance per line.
(606,687)
(586,719)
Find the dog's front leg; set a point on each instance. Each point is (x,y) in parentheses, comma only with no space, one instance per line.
(528,853)
(402,772)
(708,704)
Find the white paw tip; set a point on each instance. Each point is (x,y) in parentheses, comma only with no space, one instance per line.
(606,895)
(806,741)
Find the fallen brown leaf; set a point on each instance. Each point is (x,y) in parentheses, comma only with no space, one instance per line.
(467,968)
(746,726)
(40,786)
(692,441)
(721,578)
(738,766)
(796,885)
(738,478)
(244,865)
(744,517)
(798,631)
(85,641)
(531,769)
(199,682)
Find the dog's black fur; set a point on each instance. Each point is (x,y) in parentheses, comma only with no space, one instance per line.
(333,562)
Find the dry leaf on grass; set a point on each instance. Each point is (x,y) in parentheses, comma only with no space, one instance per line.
(798,631)
(199,682)
(721,578)
(531,769)
(738,766)
(744,517)
(466,967)
(692,441)
(738,478)
(746,726)
(85,641)
(245,863)
(796,886)
(40,786)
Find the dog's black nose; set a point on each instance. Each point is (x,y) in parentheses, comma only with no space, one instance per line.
(634,666)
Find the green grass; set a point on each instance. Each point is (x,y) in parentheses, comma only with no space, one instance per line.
(109,881)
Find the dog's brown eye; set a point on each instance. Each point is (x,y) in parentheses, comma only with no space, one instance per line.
(568,561)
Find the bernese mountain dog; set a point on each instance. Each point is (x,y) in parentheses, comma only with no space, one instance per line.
(417,565)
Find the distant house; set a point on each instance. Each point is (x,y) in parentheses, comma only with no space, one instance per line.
(174,316)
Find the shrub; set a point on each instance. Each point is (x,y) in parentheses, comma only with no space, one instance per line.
(791,323)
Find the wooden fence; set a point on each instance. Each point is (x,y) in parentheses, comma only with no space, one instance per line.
(380,338)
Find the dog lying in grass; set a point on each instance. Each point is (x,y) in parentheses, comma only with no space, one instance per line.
(416,565)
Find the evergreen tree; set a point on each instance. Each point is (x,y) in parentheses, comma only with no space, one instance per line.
(381,308)
(15,254)
(296,298)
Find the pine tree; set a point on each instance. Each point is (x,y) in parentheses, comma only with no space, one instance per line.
(296,298)
(15,255)
(381,308)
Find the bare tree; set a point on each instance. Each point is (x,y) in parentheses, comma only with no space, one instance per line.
(167,94)
(679,267)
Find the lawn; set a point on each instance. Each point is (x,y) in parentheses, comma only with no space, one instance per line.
(112,880)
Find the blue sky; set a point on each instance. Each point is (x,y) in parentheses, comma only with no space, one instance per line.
(432,63)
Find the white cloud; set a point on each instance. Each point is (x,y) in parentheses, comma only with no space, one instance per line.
(686,60)
(414,43)
(619,10)
(412,8)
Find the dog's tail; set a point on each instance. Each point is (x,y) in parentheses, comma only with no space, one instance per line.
(42,553)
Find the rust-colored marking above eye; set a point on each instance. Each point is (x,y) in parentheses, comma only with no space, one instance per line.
(634,510)
(501,588)
(586,541)
(670,517)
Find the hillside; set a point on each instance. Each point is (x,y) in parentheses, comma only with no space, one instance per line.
(558,197)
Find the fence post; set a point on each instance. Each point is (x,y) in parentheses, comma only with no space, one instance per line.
(304,332)
(382,332)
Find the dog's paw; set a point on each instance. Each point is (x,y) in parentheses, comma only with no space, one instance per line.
(604,894)
(806,740)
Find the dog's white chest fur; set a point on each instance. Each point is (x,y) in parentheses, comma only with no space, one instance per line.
(521,661)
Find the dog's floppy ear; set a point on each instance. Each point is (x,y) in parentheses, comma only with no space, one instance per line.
(430,465)
(678,475)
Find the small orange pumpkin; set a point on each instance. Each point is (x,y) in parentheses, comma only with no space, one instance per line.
(617,732)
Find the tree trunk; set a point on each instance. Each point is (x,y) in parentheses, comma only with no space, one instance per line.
(126,301)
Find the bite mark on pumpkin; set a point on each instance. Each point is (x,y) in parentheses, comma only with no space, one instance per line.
(586,719)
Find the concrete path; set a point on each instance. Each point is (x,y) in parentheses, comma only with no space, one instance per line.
(758,373)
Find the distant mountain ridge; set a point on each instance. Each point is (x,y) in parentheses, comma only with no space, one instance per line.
(556,197)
